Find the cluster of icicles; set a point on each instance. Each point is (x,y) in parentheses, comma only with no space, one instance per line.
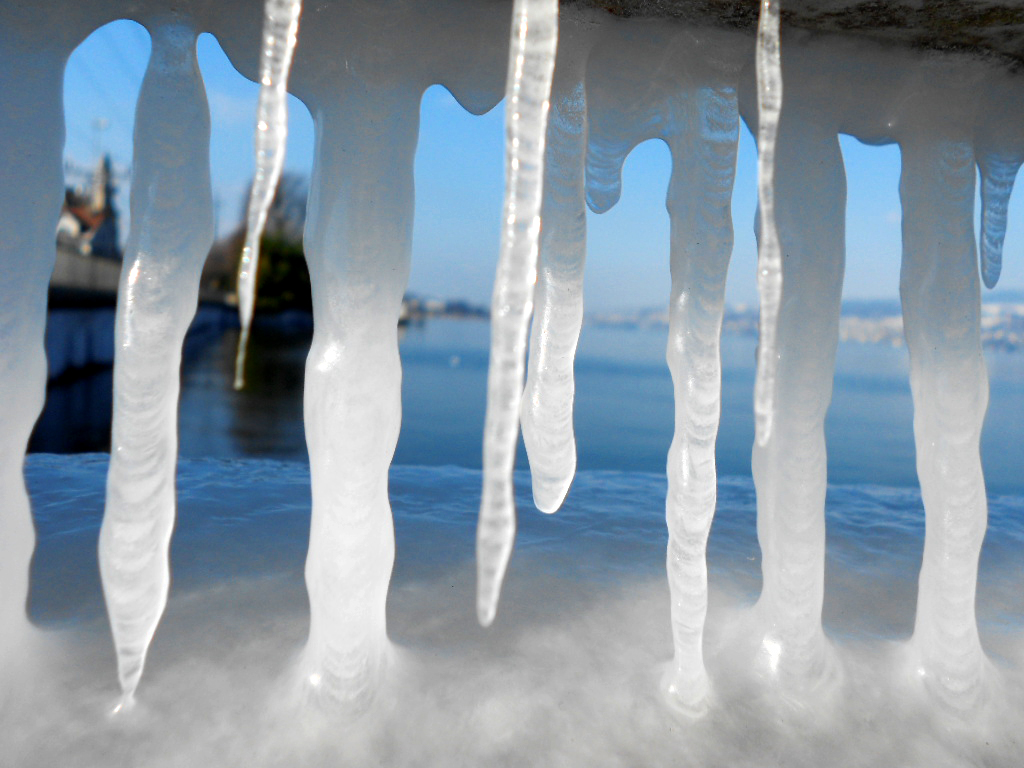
(581,91)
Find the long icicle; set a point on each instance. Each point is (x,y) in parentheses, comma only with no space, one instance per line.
(280,30)
(699,204)
(949,384)
(171,234)
(531,65)
(547,410)
(769,257)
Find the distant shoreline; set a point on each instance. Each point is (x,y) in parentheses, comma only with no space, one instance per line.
(865,322)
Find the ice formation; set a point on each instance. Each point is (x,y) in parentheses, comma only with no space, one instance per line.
(999,152)
(171,233)
(361,69)
(280,28)
(769,262)
(948,380)
(790,468)
(365,104)
(997,175)
(558,296)
(690,104)
(527,94)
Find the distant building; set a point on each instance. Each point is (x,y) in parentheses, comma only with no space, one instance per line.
(88,263)
(88,220)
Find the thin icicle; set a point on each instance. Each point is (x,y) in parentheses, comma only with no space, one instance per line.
(280,27)
(171,234)
(998,173)
(531,65)
(769,258)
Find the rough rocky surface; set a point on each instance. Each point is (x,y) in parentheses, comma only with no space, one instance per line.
(988,29)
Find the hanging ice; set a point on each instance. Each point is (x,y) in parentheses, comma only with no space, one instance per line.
(362,70)
(790,468)
(690,103)
(547,408)
(699,203)
(769,257)
(33,51)
(999,152)
(531,63)
(171,233)
(357,244)
(998,172)
(280,27)
(948,379)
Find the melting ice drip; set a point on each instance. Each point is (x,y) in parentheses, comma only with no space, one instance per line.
(610,84)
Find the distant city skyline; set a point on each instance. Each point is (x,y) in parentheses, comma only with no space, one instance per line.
(456,235)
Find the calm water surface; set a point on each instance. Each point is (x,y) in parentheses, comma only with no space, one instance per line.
(624,410)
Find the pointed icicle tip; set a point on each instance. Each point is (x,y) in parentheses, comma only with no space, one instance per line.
(486,611)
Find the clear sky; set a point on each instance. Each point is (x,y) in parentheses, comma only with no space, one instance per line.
(459,181)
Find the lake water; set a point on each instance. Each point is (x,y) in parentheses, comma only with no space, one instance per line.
(624,409)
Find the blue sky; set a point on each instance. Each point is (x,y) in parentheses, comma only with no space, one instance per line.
(459,180)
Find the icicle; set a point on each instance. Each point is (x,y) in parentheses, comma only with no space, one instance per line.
(998,172)
(790,470)
(769,261)
(32,57)
(358,242)
(691,104)
(950,389)
(547,410)
(280,27)
(699,203)
(531,63)
(171,233)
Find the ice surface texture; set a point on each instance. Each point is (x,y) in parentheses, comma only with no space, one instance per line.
(361,69)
